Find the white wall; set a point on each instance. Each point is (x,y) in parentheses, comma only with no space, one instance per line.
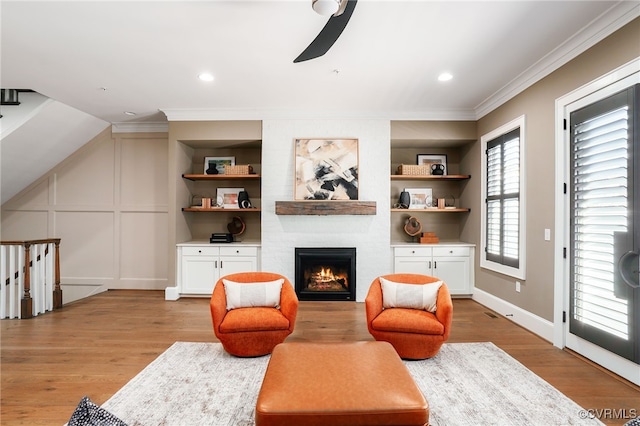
(281,234)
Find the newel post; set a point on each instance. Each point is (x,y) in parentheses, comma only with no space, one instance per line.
(57,291)
(26,303)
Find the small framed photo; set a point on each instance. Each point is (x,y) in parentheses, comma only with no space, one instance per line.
(420,198)
(227,198)
(216,165)
(437,163)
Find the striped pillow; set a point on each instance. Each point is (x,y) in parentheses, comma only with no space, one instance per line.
(247,295)
(412,296)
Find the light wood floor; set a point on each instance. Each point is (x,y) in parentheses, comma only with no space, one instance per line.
(94,346)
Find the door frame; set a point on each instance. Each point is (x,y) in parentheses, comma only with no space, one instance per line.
(612,362)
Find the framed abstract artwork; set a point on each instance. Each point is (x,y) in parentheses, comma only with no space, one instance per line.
(326,169)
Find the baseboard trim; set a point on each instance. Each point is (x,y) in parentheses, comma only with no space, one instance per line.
(523,318)
(171,293)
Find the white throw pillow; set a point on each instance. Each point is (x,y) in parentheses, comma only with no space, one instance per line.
(413,296)
(247,295)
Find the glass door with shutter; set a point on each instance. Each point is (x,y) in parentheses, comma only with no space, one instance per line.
(604,209)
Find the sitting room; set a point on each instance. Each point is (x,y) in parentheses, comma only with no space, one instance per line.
(233,222)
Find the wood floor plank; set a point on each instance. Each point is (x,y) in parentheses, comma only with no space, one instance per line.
(95,346)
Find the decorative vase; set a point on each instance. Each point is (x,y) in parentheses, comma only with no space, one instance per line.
(437,169)
(243,200)
(212,170)
(404,200)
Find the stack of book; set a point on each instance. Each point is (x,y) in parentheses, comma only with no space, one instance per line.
(429,238)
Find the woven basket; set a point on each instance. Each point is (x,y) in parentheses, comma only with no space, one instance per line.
(241,169)
(412,169)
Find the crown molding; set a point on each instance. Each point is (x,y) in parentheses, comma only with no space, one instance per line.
(197,114)
(139,127)
(606,24)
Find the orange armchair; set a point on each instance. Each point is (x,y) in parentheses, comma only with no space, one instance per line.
(414,333)
(253,331)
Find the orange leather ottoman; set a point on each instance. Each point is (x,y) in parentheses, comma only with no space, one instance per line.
(363,383)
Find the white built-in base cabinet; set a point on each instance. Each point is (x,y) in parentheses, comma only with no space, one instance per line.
(452,263)
(200,265)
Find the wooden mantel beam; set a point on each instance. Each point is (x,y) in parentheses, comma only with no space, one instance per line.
(325,208)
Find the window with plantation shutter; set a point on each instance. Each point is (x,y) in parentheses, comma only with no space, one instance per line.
(502,222)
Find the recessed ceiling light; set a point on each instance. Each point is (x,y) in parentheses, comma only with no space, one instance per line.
(445,76)
(129,113)
(205,76)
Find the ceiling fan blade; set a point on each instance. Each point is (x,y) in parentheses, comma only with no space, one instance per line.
(329,34)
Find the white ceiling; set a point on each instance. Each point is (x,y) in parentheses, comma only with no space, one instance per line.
(105,58)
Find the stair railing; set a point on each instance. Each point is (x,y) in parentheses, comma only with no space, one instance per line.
(30,273)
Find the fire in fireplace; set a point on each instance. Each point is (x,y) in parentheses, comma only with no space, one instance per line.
(325,273)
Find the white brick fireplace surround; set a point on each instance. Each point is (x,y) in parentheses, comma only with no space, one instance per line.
(369,234)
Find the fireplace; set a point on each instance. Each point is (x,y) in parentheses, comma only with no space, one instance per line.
(325,273)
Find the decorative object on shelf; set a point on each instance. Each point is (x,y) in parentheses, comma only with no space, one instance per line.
(437,169)
(243,200)
(221,238)
(196,200)
(413,170)
(240,169)
(326,169)
(412,226)
(441,203)
(228,197)
(430,159)
(429,238)
(236,226)
(419,198)
(403,201)
(450,202)
(217,165)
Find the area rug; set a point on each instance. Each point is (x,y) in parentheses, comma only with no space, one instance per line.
(465,384)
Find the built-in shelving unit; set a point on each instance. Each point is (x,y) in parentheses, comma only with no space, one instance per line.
(194,177)
(433,210)
(433,179)
(410,139)
(430,177)
(222,177)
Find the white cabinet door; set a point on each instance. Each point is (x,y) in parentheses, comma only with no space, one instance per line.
(412,260)
(412,265)
(235,264)
(454,271)
(234,259)
(199,274)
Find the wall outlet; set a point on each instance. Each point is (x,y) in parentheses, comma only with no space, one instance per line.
(518,286)
(547,234)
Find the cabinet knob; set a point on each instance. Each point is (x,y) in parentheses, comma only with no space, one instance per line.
(238,251)
(450,251)
(413,251)
(199,251)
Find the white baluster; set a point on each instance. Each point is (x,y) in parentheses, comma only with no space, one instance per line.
(3,285)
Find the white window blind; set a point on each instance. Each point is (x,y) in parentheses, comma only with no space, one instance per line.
(600,209)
